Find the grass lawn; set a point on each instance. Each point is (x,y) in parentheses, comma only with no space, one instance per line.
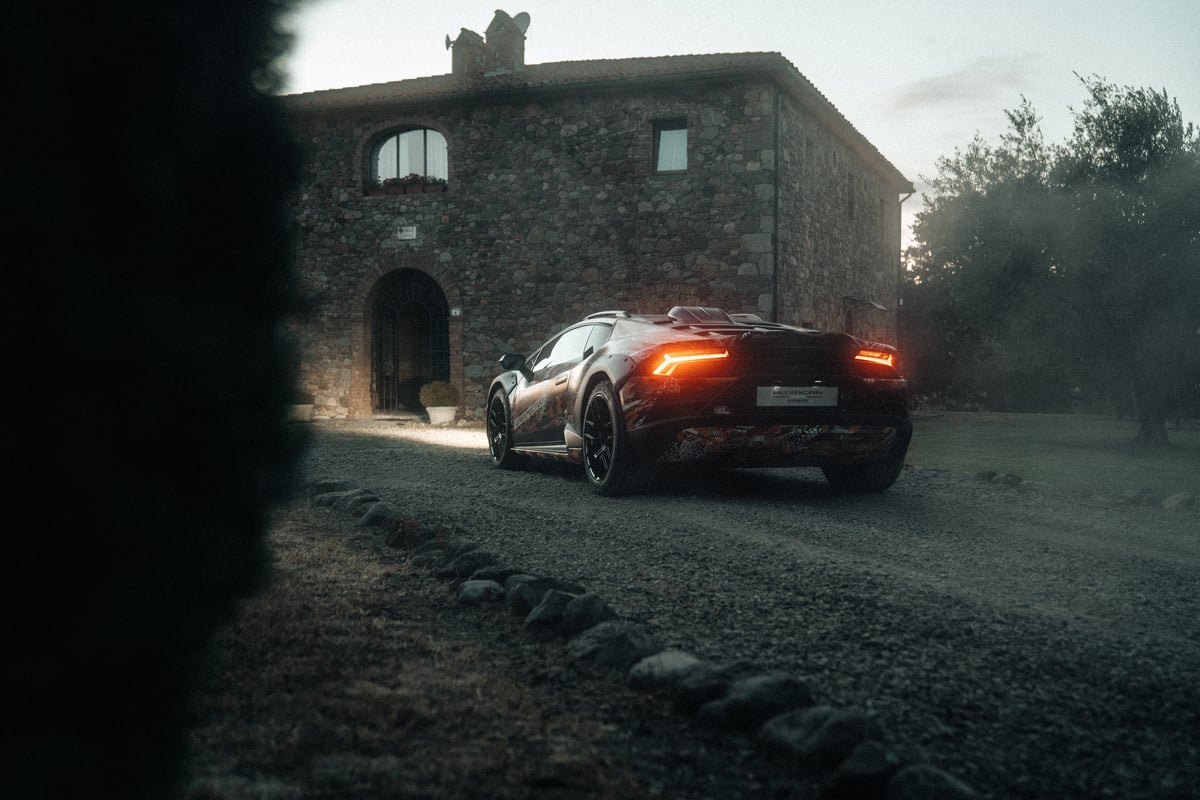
(1073,452)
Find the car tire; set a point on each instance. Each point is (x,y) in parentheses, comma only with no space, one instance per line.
(499,432)
(871,477)
(610,464)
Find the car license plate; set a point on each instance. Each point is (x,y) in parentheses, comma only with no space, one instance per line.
(797,396)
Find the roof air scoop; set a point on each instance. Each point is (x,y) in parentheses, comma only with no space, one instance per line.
(699,314)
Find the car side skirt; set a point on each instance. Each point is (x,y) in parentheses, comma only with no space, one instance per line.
(552,452)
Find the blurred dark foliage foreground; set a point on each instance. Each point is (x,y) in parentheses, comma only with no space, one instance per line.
(149,270)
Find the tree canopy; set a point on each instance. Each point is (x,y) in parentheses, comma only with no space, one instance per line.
(1042,277)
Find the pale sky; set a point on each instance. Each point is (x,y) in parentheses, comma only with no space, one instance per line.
(918,78)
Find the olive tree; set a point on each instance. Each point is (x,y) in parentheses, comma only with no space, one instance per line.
(1130,178)
(982,276)
(1040,271)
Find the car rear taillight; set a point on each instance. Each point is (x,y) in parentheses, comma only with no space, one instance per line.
(669,362)
(881,357)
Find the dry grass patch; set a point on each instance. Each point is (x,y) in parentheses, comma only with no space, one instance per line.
(354,676)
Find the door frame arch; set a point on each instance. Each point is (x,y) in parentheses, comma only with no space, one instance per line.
(410,340)
(362,403)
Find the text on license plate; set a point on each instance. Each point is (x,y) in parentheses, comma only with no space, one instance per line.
(797,395)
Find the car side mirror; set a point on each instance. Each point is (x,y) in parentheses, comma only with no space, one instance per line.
(510,361)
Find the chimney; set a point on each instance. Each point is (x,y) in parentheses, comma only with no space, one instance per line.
(506,42)
(503,50)
(469,54)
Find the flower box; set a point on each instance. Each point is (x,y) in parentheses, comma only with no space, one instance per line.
(414,184)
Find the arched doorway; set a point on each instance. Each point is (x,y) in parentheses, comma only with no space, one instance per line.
(410,340)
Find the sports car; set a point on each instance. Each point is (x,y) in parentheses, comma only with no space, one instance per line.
(622,393)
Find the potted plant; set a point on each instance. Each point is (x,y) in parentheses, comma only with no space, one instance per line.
(440,399)
(374,187)
(435,184)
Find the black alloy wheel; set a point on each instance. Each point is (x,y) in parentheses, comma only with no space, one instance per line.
(608,461)
(499,432)
(871,477)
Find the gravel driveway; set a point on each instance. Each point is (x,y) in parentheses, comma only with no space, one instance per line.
(1031,643)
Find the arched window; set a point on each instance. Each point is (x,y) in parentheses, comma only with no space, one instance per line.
(421,151)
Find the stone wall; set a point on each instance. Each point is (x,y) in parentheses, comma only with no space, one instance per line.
(839,242)
(553,212)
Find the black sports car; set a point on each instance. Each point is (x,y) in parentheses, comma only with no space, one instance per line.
(622,393)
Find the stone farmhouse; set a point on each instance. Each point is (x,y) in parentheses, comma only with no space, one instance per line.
(443,221)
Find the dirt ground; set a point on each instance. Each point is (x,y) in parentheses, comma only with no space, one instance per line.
(355,676)
(1010,638)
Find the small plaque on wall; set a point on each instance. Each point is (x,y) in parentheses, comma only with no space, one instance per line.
(408,232)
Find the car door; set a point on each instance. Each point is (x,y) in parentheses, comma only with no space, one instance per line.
(539,417)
